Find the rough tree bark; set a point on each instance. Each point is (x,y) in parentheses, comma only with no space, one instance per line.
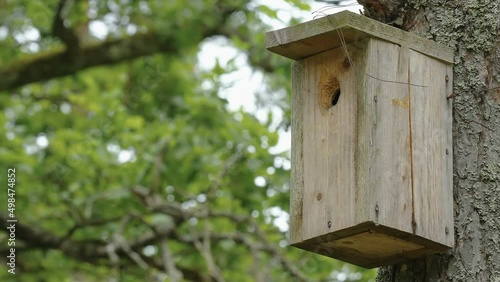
(472,28)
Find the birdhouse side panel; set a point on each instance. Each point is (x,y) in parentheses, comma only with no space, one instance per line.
(384,194)
(297,170)
(431,125)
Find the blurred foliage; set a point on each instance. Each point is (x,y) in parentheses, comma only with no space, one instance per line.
(115,152)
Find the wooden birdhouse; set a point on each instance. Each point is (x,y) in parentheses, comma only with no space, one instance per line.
(372,160)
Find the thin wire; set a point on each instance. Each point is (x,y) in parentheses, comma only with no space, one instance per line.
(340,33)
(321,11)
(344,45)
(397,82)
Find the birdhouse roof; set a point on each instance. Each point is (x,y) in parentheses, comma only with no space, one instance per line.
(319,35)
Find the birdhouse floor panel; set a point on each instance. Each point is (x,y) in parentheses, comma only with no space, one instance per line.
(370,245)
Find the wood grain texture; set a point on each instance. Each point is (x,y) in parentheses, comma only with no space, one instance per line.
(374,245)
(329,144)
(431,139)
(316,36)
(371,169)
(471,26)
(297,171)
(354,245)
(383,160)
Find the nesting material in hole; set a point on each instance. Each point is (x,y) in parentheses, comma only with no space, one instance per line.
(329,91)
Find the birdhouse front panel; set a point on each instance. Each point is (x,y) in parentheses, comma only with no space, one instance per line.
(371,179)
(329,143)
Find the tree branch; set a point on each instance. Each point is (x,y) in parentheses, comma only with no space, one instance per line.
(56,64)
(60,63)
(89,250)
(169,263)
(64,33)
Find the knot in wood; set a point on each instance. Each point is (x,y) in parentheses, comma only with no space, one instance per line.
(319,196)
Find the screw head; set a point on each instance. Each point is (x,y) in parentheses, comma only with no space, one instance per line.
(447,151)
(319,196)
(375,98)
(329,224)
(446,78)
(446,231)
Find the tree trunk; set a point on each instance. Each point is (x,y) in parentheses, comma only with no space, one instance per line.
(472,27)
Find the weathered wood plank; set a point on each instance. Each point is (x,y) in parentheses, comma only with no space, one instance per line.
(384,167)
(338,245)
(374,245)
(329,143)
(297,171)
(448,218)
(316,36)
(371,179)
(431,139)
